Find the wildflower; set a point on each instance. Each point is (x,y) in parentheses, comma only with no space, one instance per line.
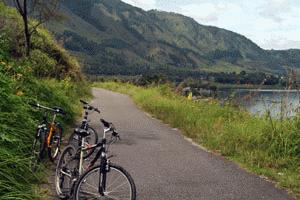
(20,93)
(190,96)
(18,76)
(8,67)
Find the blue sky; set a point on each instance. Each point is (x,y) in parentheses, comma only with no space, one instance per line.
(272,24)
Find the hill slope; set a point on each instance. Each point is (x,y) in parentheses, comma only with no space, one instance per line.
(113,37)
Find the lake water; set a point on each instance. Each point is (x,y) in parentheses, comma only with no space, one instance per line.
(278,102)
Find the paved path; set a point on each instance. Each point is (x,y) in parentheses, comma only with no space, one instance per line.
(165,166)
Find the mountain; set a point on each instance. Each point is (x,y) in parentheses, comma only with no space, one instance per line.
(112,37)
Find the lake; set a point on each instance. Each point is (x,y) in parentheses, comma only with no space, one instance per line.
(259,102)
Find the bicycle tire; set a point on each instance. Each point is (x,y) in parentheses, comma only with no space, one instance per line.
(64,165)
(55,142)
(95,171)
(37,151)
(91,140)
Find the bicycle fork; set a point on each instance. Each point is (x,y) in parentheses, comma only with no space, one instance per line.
(102,176)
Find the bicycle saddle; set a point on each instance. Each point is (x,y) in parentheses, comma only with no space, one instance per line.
(81,132)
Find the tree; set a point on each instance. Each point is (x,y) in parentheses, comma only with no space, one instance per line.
(41,10)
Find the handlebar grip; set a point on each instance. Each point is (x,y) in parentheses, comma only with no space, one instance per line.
(83,101)
(105,123)
(33,104)
(97,110)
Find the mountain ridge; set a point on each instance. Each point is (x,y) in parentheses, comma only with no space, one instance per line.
(123,39)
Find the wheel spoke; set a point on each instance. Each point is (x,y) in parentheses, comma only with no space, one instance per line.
(91,186)
(112,197)
(118,186)
(95,195)
(114,181)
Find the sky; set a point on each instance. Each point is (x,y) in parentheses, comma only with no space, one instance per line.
(272,24)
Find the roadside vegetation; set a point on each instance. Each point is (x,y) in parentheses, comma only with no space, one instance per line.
(262,145)
(48,76)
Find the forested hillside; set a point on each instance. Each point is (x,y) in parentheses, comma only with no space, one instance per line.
(49,76)
(112,37)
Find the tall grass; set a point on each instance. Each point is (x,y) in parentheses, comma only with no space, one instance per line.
(18,123)
(21,82)
(269,148)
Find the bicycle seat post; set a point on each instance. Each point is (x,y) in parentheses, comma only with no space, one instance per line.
(54,117)
(81,155)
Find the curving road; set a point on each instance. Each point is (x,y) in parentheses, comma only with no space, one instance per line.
(165,166)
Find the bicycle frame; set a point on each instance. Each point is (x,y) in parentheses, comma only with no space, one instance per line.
(51,130)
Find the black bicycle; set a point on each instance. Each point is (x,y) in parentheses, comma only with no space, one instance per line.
(111,181)
(48,136)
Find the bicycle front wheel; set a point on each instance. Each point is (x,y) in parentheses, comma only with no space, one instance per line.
(66,172)
(54,146)
(119,184)
(37,151)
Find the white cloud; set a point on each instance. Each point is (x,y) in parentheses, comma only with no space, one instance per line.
(280,43)
(145,4)
(274,9)
(206,12)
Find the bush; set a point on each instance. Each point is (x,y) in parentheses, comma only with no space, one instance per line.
(42,64)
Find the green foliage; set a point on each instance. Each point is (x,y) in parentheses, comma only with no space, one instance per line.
(48,58)
(43,66)
(20,83)
(266,146)
(18,122)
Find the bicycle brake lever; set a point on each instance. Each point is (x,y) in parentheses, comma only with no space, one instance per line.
(116,135)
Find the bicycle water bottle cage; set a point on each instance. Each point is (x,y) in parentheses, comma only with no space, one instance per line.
(81,132)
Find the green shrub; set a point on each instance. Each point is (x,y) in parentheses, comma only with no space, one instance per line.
(42,64)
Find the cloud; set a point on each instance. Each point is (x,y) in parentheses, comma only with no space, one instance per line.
(281,43)
(208,12)
(145,4)
(274,9)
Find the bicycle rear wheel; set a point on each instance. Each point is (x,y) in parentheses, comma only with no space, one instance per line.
(66,172)
(119,184)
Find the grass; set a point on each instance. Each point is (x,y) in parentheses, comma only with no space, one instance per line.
(262,145)
(49,76)
(18,122)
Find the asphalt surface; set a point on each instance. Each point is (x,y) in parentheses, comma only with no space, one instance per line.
(166,166)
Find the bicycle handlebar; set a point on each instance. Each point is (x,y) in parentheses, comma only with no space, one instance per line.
(89,107)
(83,101)
(56,110)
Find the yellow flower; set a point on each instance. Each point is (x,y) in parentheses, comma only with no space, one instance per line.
(20,93)
(18,76)
(190,96)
